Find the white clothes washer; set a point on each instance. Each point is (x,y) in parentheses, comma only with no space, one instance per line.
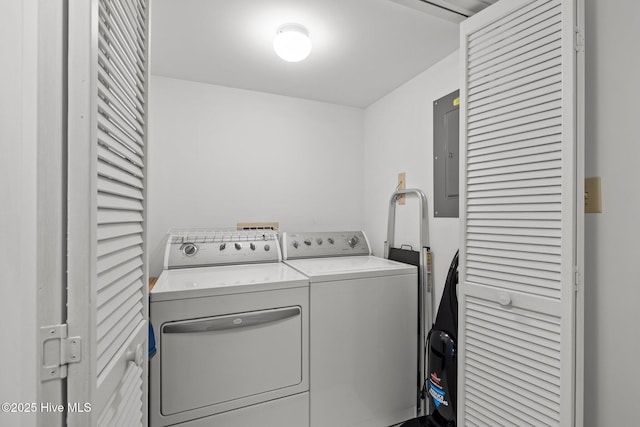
(363,326)
(231,323)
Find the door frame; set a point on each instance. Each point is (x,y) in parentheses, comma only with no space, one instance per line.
(52,192)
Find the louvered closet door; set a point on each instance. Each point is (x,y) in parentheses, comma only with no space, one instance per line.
(107,295)
(520,184)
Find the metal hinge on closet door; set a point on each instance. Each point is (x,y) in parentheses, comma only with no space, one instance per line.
(58,350)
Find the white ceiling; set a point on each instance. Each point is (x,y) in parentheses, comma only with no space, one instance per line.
(362,49)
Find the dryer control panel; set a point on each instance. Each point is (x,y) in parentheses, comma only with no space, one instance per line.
(208,247)
(324,244)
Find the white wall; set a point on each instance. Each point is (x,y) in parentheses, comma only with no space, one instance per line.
(220,155)
(18,224)
(612,247)
(398,137)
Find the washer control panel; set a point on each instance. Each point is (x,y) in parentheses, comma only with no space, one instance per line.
(324,244)
(204,247)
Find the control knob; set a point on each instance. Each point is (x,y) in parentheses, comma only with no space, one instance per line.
(296,244)
(252,246)
(319,241)
(330,240)
(353,241)
(267,247)
(307,242)
(222,246)
(189,249)
(238,246)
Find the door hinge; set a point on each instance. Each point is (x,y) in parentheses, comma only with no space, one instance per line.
(579,40)
(577,279)
(58,351)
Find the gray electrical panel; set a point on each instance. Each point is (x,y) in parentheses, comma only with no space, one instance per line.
(446,160)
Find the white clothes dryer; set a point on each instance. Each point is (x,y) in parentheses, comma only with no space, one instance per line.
(363,326)
(231,323)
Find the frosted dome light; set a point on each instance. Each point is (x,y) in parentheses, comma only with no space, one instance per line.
(292,43)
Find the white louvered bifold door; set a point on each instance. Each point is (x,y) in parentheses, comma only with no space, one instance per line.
(107,293)
(519,214)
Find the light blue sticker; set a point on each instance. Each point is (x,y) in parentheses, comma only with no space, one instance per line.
(437,395)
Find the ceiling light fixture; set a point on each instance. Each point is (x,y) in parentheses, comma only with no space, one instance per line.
(292,42)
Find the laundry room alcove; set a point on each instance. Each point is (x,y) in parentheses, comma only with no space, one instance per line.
(238,134)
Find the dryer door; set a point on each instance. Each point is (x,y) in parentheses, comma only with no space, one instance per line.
(213,360)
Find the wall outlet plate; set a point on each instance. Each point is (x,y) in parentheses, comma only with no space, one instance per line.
(592,195)
(402,184)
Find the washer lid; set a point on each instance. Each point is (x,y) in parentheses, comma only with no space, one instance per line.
(223,280)
(351,267)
